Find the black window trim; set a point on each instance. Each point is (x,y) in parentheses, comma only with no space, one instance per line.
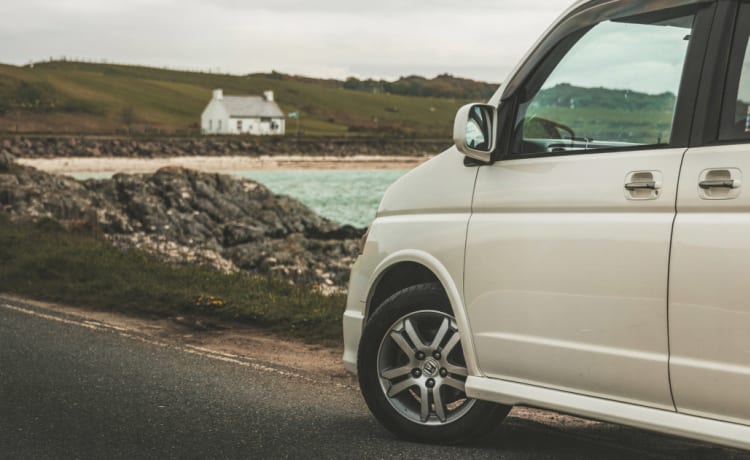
(707,113)
(727,78)
(733,76)
(688,94)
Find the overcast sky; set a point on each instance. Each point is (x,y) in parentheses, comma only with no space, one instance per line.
(481,39)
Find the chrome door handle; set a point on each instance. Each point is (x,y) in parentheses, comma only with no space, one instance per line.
(708,184)
(641,186)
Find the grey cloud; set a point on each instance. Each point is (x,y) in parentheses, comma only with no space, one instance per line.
(326,38)
(394,7)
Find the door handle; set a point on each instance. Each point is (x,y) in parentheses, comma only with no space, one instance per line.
(641,186)
(709,184)
(719,184)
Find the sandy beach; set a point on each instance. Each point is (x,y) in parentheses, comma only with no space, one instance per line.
(77,165)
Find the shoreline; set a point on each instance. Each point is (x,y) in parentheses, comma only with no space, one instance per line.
(218,164)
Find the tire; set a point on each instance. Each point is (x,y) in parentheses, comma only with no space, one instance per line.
(410,352)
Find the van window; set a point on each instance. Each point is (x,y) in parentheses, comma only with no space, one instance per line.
(735,113)
(614,85)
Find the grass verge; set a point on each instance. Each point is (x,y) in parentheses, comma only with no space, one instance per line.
(45,261)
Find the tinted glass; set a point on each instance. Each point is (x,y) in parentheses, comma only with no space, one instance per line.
(735,119)
(615,86)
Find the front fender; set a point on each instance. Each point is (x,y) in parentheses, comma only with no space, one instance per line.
(451,287)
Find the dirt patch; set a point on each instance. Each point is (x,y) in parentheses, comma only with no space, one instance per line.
(319,362)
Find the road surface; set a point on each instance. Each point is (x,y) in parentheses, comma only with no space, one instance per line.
(75,389)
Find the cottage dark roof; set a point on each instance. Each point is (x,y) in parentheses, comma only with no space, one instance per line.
(251,106)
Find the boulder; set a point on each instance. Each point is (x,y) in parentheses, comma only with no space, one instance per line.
(186,216)
(6,160)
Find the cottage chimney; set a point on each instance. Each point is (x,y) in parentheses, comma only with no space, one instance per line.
(268,96)
(218,94)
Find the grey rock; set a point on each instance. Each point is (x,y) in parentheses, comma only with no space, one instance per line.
(187,216)
(169,147)
(7,160)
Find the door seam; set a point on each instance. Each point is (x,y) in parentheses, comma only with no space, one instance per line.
(463,272)
(669,276)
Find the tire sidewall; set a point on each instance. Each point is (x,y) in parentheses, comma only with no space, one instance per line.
(483,416)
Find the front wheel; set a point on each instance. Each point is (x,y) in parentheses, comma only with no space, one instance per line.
(412,371)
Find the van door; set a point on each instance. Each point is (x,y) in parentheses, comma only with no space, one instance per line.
(709,302)
(568,244)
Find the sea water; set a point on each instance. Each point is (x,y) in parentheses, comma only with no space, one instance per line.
(344,196)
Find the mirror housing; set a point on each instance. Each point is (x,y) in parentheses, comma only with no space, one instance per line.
(475,131)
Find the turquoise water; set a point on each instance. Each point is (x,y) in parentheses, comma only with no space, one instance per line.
(345,196)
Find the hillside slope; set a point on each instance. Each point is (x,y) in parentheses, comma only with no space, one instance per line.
(94,98)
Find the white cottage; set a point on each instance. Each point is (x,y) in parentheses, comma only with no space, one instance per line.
(258,115)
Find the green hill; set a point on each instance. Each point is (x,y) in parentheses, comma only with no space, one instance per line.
(612,114)
(441,86)
(445,85)
(569,96)
(80,97)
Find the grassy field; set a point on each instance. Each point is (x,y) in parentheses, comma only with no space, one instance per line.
(642,126)
(78,267)
(95,98)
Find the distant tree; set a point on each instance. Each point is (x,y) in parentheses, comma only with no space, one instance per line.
(445,86)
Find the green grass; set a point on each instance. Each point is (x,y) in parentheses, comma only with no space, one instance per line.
(173,100)
(77,267)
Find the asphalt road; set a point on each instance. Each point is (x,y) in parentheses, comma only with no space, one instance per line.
(72,390)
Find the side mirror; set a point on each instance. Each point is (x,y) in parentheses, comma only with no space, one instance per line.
(475,131)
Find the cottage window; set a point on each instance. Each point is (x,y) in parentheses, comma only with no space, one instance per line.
(210,125)
(218,125)
(239,125)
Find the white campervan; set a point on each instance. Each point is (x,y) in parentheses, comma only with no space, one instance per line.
(584,245)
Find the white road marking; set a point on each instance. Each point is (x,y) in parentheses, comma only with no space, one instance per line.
(195,350)
(549,425)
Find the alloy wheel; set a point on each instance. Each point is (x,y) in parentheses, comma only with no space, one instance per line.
(422,369)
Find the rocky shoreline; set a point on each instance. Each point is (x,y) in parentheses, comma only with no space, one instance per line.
(64,147)
(186,216)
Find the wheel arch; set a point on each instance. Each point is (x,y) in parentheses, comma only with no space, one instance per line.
(394,278)
(410,267)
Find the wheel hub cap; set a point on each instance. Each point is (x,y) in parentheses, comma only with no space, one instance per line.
(430,368)
(422,369)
